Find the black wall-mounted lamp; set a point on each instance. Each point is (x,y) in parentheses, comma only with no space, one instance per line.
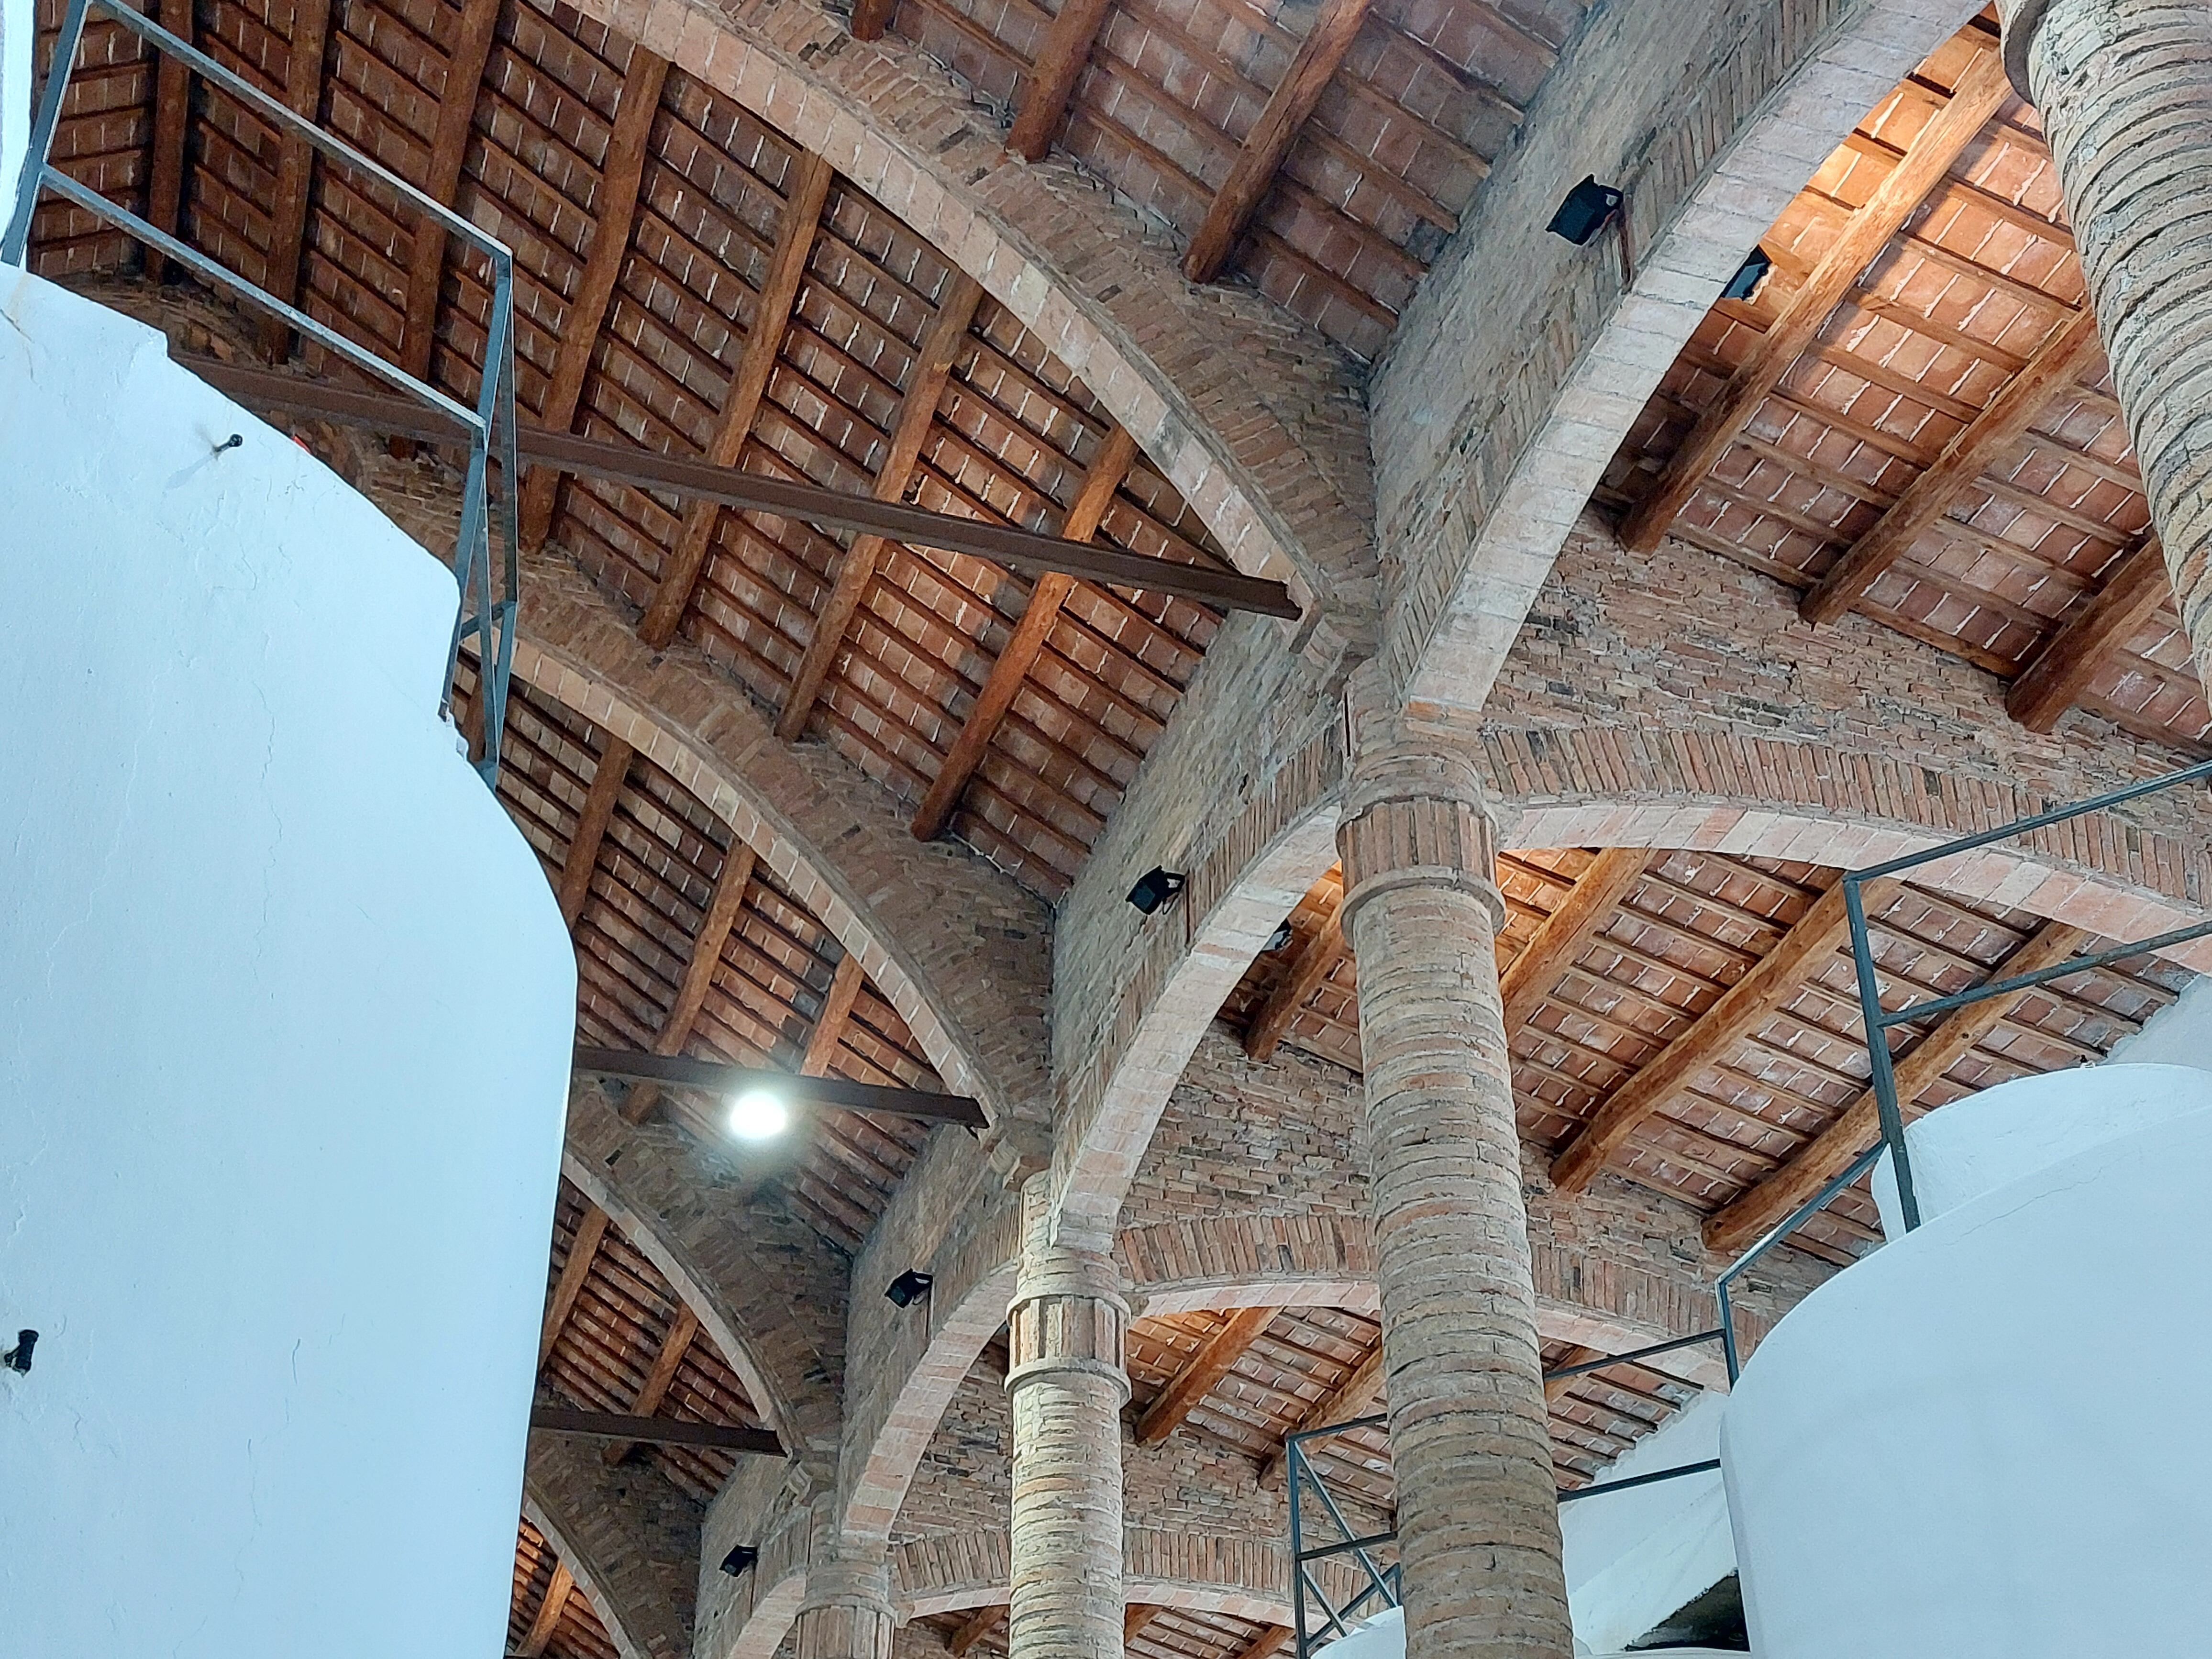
(740,1559)
(1589,208)
(909,1288)
(1278,938)
(1748,275)
(18,1359)
(1155,887)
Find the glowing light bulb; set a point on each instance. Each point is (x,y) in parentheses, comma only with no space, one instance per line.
(758,1114)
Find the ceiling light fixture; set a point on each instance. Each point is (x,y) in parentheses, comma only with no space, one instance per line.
(1155,887)
(1588,208)
(909,1287)
(759,1114)
(1748,275)
(741,1557)
(1278,938)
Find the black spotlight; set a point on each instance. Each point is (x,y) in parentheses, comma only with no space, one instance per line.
(1155,887)
(1278,938)
(18,1359)
(1748,277)
(740,1558)
(909,1288)
(1589,208)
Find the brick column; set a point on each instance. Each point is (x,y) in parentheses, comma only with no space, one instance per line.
(1065,1380)
(847,1612)
(1477,1524)
(2124,87)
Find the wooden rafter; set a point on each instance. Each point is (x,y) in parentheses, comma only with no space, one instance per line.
(1052,78)
(622,175)
(548,1613)
(721,915)
(1772,981)
(1981,93)
(1107,471)
(1555,1388)
(1268,144)
(1271,1641)
(1919,1070)
(1216,1357)
(655,1430)
(1356,1396)
(1588,905)
(295,164)
(684,1072)
(794,242)
(2054,679)
(1135,1615)
(933,367)
(172,97)
(591,1232)
(1318,959)
(2070,350)
(836,1008)
(977,1625)
(441,180)
(598,811)
(660,1378)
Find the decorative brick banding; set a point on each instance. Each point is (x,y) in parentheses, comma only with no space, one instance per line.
(2125,88)
(1478,1526)
(1068,1385)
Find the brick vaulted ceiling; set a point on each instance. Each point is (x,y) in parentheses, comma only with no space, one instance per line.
(1912,418)
(689,281)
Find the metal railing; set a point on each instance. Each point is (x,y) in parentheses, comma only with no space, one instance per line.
(1879,1021)
(487,612)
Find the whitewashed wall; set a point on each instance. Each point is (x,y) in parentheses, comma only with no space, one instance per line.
(285,1016)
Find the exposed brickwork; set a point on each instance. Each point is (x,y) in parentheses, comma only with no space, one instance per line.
(2124,87)
(1065,1385)
(847,1612)
(1252,418)
(1511,381)
(629,1536)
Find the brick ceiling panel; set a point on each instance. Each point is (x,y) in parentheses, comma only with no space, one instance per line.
(578,1634)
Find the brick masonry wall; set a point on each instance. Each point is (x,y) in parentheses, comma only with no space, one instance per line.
(629,1536)
(1511,379)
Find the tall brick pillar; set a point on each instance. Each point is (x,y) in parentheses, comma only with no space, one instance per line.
(2124,87)
(847,1612)
(1068,1385)
(1477,1524)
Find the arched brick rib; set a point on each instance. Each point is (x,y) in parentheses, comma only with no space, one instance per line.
(631,1539)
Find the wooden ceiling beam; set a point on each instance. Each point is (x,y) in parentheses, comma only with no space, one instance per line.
(622,177)
(1555,1388)
(655,1430)
(659,1379)
(1318,959)
(1268,144)
(1060,64)
(2070,350)
(591,822)
(682,1072)
(1588,905)
(173,103)
(1981,93)
(2055,678)
(591,1232)
(1271,1641)
(304,56)
(721,915)
(1108,469)
(1135,1615)
(836,1008)
(1355,1397)
(548,1613)
(1770,982)
(811,178)
(977,1625)
(1001,545)
(441,180)
(1831,1152)
(1215,1358)
(933,367)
